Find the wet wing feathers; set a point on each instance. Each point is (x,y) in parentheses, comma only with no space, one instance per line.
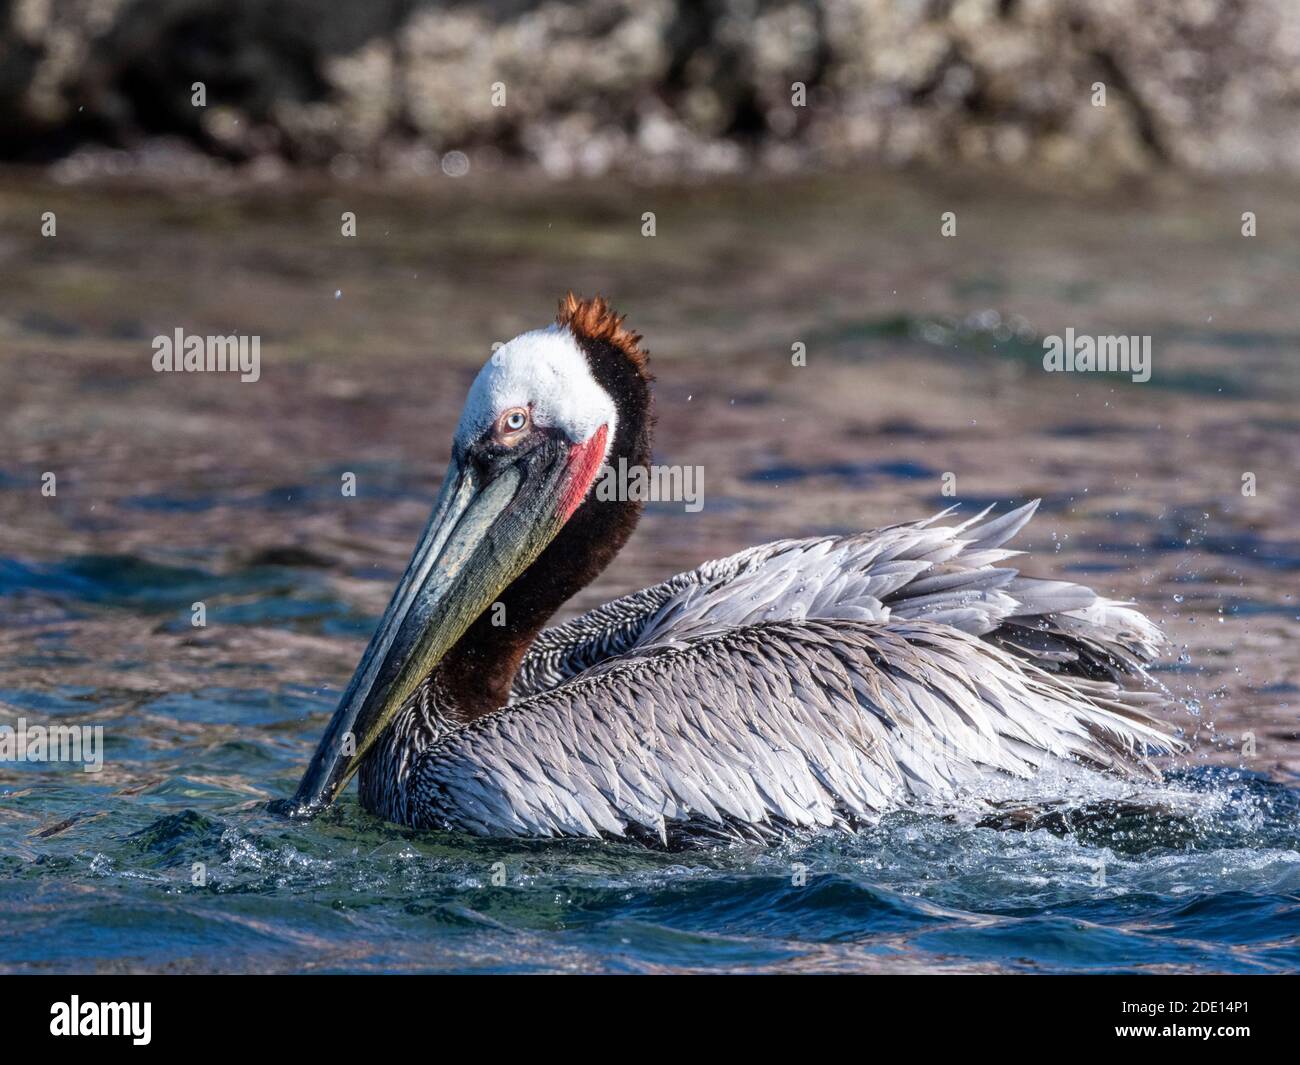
(809,723)
(802,683)
(916,571)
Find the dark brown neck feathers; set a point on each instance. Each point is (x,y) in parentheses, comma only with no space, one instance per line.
(477,672)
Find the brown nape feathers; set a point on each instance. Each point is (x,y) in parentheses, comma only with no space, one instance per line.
(596,320)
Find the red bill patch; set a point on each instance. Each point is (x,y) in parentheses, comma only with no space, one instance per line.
(582,467)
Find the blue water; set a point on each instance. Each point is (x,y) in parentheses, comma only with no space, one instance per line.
(169,860)
(1216,892)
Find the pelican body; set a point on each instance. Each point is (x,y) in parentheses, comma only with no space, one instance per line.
(795,685)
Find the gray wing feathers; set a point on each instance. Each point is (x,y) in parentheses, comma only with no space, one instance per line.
(563,651)
(811,723)
(916,571)
(803,682)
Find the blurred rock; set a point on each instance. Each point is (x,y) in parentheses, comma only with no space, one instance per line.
(661,87)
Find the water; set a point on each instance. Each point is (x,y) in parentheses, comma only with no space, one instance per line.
(174,492)
(1214,890)
(98,871)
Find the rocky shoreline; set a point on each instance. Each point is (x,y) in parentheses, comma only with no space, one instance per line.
(658,89)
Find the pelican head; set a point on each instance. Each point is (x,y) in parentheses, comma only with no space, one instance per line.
(543,416)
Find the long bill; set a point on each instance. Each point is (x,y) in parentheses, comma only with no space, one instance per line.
(487,527)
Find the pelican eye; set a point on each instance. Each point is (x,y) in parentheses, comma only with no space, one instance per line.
(512,426)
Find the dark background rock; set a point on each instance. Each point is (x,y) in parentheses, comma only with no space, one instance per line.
(662,87)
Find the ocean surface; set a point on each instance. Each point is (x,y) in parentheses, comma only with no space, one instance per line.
(924,359)
(112,887)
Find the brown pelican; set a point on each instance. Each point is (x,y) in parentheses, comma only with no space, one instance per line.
(800,683)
